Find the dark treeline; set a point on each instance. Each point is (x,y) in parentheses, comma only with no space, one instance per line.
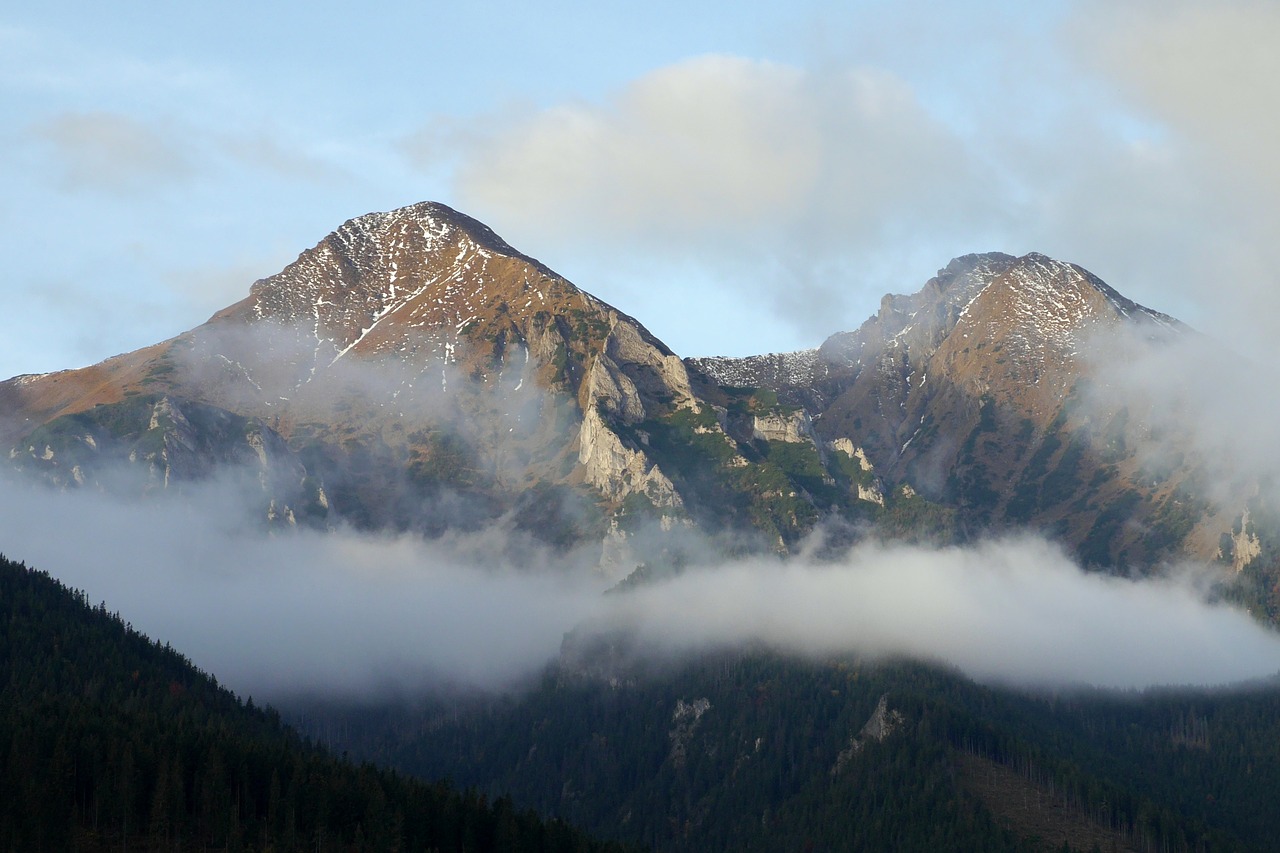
(762,767)
(1172,769)
(109,741)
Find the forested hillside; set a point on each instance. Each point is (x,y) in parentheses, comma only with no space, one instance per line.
(110,741)
(757,752)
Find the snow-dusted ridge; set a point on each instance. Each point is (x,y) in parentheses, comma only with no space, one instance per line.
(769,370)
(396,283)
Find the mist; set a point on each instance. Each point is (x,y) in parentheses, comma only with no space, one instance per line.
(1013,611)
(371,617)
(276,614)
(1195,403)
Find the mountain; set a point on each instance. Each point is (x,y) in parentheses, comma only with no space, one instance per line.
(981,392)
(413,371)
(422,373)
(110,741)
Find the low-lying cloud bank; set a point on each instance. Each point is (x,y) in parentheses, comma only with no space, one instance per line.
(357,615)
(1014,611)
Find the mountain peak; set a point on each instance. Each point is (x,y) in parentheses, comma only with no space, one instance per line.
(407,280)
(998,323)
(432,222)
(381,256)
(1054,294)
(1034,296)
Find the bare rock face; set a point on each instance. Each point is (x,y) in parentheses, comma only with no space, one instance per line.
(685,719)
(618,470)
(882,723)
(869,486)
(613,391)
(158,445)
(652,366)
(1243,543)
(792,427)
(848,448)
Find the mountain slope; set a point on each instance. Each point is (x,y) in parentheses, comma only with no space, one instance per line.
(749,751)
(427,376)
(982,392)
(421,342)
(111,741)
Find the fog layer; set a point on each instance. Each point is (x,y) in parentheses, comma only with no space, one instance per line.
(357,615)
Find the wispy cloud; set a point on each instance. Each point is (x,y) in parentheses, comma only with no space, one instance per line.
(113,153)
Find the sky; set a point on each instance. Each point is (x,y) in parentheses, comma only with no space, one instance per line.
(741,177)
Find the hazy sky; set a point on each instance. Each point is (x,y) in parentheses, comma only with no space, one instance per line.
(742,177)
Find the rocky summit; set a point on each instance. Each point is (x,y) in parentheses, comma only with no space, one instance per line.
(413,371)
(984,393)
(422,372)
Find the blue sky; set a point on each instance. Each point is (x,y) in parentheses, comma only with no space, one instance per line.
(741,177)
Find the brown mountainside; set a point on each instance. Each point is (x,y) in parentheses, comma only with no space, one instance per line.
(981,393)
(407,353)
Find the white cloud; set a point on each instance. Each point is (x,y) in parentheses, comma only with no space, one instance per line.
(811,191)
(356,615)
(1203,218)
(1210,70)
(276,615)
(1194,406)
(717,145)
(1016,611)
(761,179)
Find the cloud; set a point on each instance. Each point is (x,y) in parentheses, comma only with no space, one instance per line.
(1207,70)
(123,155)
(260,150)
(360,615)
(721,147)
(273,616)
(1198,206)
(113,153)
(801,193)
(1014,611)
(773,175)
(1193,405)
(486,606)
